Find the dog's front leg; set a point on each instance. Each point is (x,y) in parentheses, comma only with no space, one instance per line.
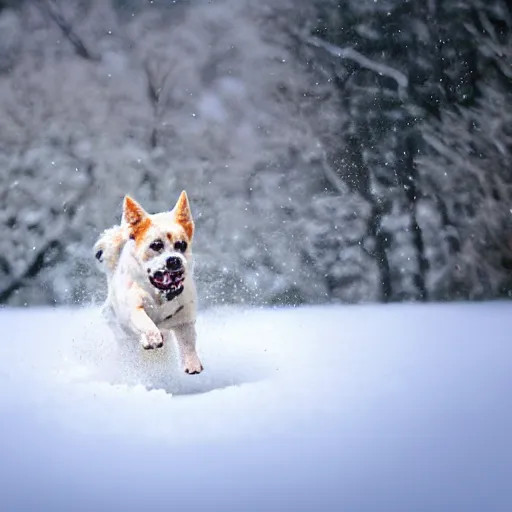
(186,339)
(150,335)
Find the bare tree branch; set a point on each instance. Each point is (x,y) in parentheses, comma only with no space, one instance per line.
(491,43)
(66,27)
(457,159)
(351,54)
(51,247)
(334,180)
(155,85)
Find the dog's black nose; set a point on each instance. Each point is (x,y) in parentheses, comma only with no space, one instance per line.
(174,263)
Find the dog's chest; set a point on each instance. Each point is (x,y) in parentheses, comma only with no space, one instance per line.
(161,310)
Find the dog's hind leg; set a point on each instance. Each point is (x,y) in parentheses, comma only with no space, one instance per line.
(186,339)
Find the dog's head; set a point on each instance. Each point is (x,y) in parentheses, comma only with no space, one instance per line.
(162,243)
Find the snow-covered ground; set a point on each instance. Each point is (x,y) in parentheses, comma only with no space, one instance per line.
(358,408)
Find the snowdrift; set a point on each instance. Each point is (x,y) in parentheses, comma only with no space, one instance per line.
(358,408)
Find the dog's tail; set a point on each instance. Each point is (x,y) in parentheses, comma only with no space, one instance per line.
(108,247)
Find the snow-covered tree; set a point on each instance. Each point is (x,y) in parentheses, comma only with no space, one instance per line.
(397,65)
(348,151)
(149,107)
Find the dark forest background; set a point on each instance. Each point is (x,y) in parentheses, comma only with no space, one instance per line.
(333,151)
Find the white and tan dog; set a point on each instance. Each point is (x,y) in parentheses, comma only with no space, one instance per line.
(149,267)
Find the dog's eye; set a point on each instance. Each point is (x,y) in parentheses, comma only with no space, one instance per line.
(157,245)
(181,246)
(98,255)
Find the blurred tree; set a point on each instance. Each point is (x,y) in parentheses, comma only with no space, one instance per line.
(210,104)
(350,151)
(397,64)
(469,160)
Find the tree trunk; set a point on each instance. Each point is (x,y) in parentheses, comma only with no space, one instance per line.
(412,194)
(379,252)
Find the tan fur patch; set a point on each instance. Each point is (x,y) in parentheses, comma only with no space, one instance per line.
(183,214)
(177,234)
(136,218)
(138,231)
(117,242)
(133,211)
(117,238)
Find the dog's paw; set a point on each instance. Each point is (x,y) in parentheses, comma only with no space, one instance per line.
(152,340)
(193,366)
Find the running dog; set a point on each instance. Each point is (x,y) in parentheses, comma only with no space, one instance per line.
(148,263)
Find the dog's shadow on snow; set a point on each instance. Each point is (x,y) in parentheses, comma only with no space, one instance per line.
(155,374)
(226,364)
(232,370)
(211,379)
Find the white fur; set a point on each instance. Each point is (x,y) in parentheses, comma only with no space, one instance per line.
(134,308)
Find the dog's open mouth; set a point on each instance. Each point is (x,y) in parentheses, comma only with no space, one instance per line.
(167,281)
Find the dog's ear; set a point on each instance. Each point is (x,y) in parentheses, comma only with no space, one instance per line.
(133,213)
(183,215)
